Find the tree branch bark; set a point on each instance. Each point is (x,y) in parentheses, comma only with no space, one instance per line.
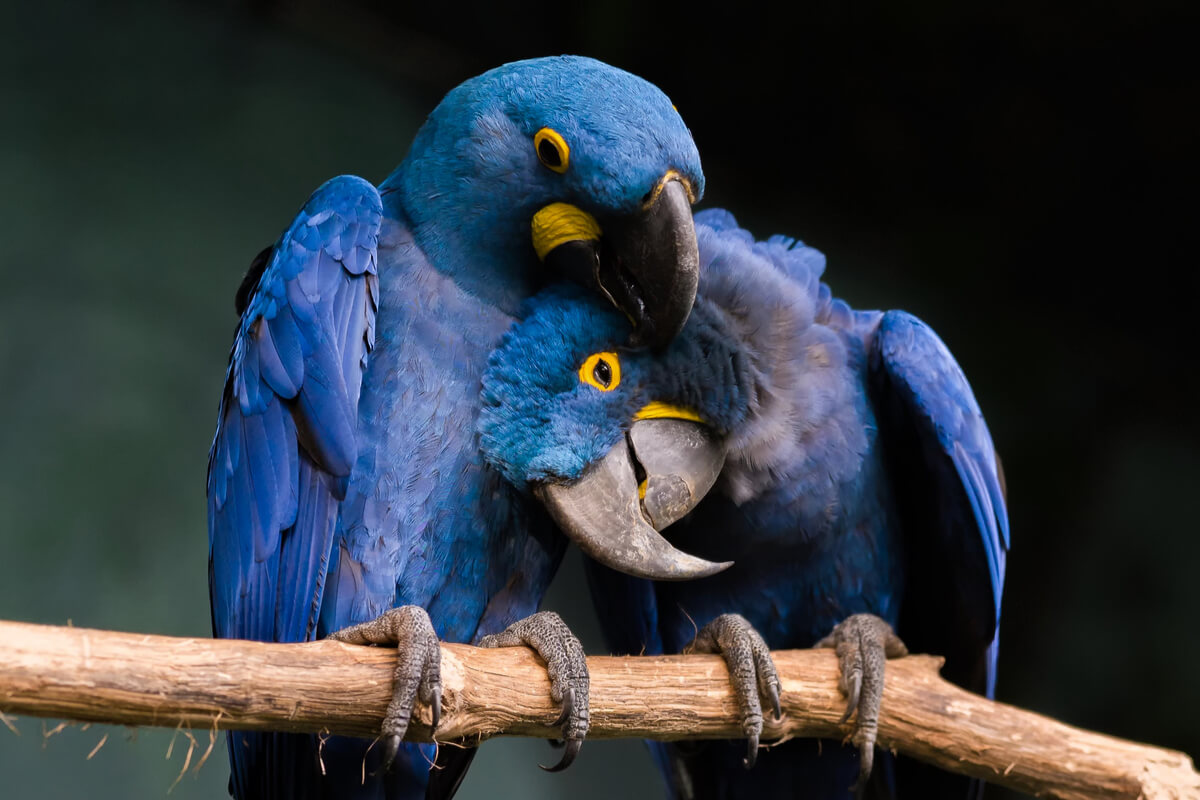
(134,679)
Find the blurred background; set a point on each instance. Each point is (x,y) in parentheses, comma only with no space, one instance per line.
(1015,176)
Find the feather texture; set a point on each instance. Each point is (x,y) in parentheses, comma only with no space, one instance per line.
(859,477)
(345,476)
(285,437)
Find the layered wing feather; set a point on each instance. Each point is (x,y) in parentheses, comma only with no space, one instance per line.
(950,493)
(285,441)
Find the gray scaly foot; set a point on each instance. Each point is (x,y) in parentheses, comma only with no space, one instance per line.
(418,668)
(863,642)
(552,640)
(751,671)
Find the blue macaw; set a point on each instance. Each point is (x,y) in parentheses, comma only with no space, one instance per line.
(347,496)
(837,458)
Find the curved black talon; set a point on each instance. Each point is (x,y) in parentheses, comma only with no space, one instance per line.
(751,671)
(751,751)
(436,711)
(391,746)
(552,640)
(568,756)
(418,669)
(568,703)
(863,642)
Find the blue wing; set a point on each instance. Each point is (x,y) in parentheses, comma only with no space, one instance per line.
(949,489)
(285,440)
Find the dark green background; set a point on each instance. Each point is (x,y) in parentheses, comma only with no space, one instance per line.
(1011,176)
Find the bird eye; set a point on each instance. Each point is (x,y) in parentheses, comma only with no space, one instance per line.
(552,149)
(601,370)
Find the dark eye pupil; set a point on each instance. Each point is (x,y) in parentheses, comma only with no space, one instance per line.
(602,373)
(548,153)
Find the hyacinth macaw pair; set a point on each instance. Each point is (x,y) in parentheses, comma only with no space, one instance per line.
(362,486)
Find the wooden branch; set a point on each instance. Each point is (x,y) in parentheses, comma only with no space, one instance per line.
(133,679)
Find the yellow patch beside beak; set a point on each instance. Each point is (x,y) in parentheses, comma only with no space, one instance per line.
(668,176)
(559,223)
(657,410)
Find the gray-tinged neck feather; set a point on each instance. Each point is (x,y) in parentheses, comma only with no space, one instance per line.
(807,407)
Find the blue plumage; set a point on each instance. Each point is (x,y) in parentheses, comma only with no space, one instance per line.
(859,477)
(345,476)
(285,442)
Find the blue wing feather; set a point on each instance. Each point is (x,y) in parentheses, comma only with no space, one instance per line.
(955,515)
(285,443)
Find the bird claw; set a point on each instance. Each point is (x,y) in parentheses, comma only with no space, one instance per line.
(751,751)
(391,746)
(863,643)
(418,669)
(552,640)
(568,756)
(852,692)
(751,671)
(568,708)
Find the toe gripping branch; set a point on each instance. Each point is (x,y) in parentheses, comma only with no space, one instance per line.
(566,664)
(863,643)
(418,668)
(751,671)
(419,664)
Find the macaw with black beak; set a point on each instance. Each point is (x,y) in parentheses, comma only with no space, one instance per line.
(347,496)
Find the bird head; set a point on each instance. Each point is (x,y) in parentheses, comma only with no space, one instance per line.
(618,442)
(554,167)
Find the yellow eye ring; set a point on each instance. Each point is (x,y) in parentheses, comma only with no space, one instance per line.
(601,370)
(552,149)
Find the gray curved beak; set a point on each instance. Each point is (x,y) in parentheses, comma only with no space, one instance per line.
(657,474)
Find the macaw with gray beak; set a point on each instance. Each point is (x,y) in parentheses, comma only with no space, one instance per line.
(831,465)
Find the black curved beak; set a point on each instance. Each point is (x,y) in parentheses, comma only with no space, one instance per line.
(652,265)
(658,473)
(647,264)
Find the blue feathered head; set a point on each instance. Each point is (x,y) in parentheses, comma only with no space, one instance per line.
(567,163)
(616,441)
(562,389)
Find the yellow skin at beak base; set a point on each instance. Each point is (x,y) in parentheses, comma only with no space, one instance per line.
(559,223)
(657,410)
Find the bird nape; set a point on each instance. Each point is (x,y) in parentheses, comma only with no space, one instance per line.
(346,494)
(836,457)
